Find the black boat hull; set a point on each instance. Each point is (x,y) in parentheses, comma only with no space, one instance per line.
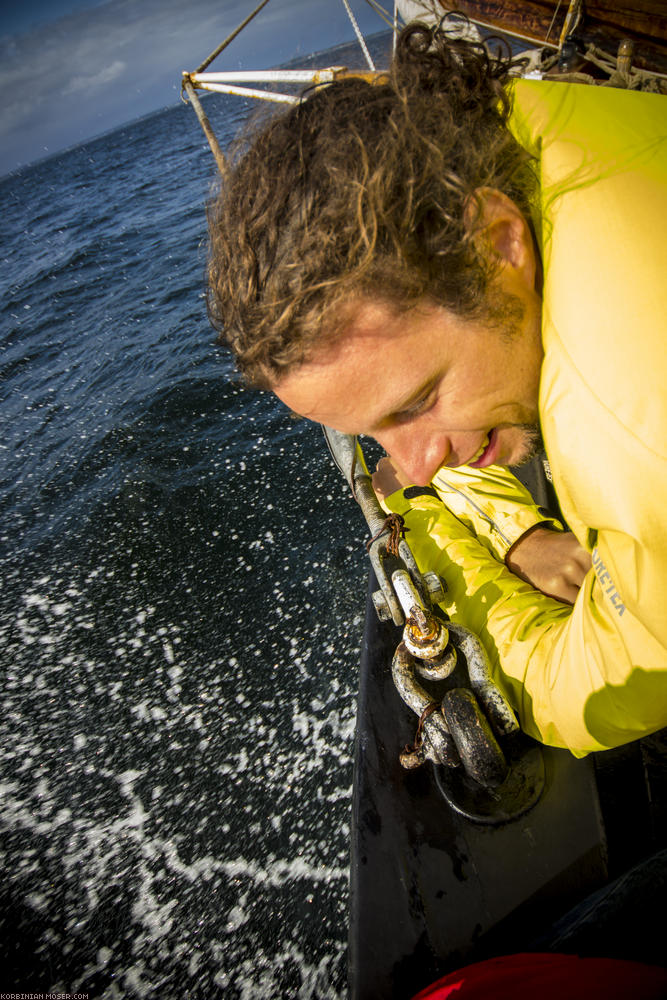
(431,890)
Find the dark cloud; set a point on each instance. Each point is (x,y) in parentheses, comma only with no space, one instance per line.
(67,80)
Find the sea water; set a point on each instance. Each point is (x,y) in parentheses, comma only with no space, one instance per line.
(182,581)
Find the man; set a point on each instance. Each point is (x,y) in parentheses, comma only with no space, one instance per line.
(387,260)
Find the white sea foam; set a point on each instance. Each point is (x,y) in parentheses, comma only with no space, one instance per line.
(177,613)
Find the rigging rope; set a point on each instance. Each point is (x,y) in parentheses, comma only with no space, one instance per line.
(230,38)
(371,64)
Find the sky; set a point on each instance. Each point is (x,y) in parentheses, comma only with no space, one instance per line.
(73,69)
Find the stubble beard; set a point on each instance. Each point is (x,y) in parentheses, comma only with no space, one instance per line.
(508,312)
(532,444)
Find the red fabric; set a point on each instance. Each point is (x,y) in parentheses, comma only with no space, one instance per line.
(551,977)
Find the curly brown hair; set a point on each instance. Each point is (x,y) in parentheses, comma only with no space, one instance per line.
(361,189)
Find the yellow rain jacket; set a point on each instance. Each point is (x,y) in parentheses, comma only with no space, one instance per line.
(593,676)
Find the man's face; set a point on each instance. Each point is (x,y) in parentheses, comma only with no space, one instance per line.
(431,388)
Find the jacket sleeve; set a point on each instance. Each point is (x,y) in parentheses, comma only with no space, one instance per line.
(568,672)
(493,504)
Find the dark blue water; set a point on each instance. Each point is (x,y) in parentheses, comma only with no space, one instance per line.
(182,584)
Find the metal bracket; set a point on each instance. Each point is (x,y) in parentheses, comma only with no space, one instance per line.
(459,729)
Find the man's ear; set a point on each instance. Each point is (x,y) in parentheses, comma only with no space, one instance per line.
(498,226)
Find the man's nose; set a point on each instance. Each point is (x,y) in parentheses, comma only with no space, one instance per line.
(418,453)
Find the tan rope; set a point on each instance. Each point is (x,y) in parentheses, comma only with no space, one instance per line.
(432,707)
(396,526)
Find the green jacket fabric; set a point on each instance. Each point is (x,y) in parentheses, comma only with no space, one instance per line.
(595,675)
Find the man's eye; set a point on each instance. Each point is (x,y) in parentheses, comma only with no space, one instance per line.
(420,406)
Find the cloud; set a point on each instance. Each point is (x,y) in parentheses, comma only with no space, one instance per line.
(99,67)
(96,80)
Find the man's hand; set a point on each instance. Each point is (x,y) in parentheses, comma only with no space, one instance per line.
(551,561)
(388,478)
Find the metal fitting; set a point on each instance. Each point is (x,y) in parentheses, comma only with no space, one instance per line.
(435,742)
(436,587)
(429,643)
(381,605)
